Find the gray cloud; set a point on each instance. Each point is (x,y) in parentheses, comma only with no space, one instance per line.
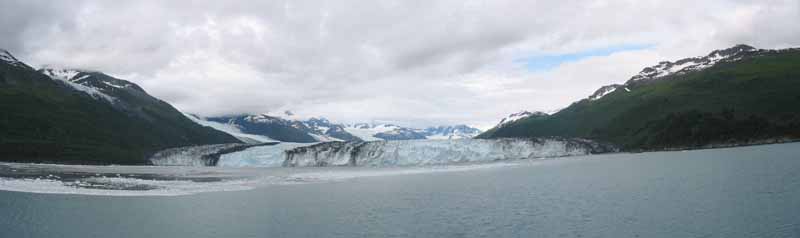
(413,62)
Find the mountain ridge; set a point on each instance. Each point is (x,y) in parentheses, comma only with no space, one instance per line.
(88,118)
(288,127)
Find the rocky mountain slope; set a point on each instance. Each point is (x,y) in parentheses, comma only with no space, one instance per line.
(739,95)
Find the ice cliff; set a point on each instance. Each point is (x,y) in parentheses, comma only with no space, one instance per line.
(203,155)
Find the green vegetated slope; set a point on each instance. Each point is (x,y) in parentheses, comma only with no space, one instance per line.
(46,120)
(751,98)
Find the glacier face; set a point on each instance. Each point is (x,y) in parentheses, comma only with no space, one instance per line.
(188,155)
(260,156)
(201,155)
(436,152)
(377,153)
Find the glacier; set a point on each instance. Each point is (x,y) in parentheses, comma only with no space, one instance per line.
(437,152)
(377,153)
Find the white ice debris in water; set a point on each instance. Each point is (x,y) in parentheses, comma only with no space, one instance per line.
(626,89)
(67,76)
(177,181)
(159,187)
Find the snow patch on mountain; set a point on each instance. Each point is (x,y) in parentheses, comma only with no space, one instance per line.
(8,58)
(667,68)
(114,85)
(680,67)
(603,91)
(518,116)
(70,78)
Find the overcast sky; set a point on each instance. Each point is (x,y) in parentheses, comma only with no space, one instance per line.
(416,63)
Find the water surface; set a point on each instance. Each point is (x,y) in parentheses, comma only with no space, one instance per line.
(740,192)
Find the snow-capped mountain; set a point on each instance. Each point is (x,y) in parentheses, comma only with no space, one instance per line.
(286,126)
(367,131)
(374,132)
(87,117)
(680,104)
(520,115)
(328,131)
(77,80)
(667,68)
(664,70)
